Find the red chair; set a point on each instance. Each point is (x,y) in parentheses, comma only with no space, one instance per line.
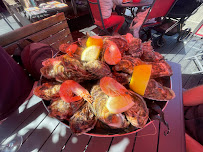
(96,14)
(159,10)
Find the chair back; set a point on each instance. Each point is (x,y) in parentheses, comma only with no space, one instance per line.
(96,13)
(160,8)
(53,30)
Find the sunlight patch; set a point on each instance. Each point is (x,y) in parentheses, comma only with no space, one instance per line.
(74,140)
(121,146)
(62,130)
(35,150)
(29,103)
(55,138)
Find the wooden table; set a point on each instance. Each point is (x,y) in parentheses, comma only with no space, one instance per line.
(132,5)
(45,134)
(140,4)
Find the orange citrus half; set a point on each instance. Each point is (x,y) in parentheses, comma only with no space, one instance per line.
(94,40)
(140,78)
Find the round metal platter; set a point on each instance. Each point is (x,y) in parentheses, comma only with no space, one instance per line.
(166,81)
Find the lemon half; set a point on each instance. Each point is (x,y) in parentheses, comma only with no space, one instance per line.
(90,53)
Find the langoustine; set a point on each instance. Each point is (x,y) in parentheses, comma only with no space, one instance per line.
(64,68)
(136,113)
(101,111)
(83,119)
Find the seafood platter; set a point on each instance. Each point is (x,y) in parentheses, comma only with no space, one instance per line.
(106,85)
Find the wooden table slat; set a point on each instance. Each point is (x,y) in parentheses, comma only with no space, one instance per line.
(28,126)
(19,116)
(148,136)
(57,139)
(100,143)
(123,143)
(39,135)
(77,143)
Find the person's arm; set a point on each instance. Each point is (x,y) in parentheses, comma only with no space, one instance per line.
(193,96)
(192,145)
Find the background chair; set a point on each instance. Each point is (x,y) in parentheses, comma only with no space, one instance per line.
(97,18)
(159,11)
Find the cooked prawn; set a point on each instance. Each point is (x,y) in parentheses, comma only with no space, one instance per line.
(69,88)
(68,48)
(129,37)
(112,88)
(112,54)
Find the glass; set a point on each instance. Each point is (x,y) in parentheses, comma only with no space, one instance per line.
(13,145)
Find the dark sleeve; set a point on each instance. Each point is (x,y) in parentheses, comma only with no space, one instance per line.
(15,85)
(194,122)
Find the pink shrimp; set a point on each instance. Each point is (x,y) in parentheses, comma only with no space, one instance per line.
(112,54)
(112,88)
(68,48)
(129,37)
(69,88)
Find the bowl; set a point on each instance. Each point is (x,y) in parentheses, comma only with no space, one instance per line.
(108,132)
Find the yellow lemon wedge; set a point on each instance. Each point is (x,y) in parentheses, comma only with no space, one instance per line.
(94,40)
(90,53)
(119,104)
(140,78)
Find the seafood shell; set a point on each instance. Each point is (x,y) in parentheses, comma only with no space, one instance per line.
(63,110)
(138,114)
(102,113)
(83,120)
